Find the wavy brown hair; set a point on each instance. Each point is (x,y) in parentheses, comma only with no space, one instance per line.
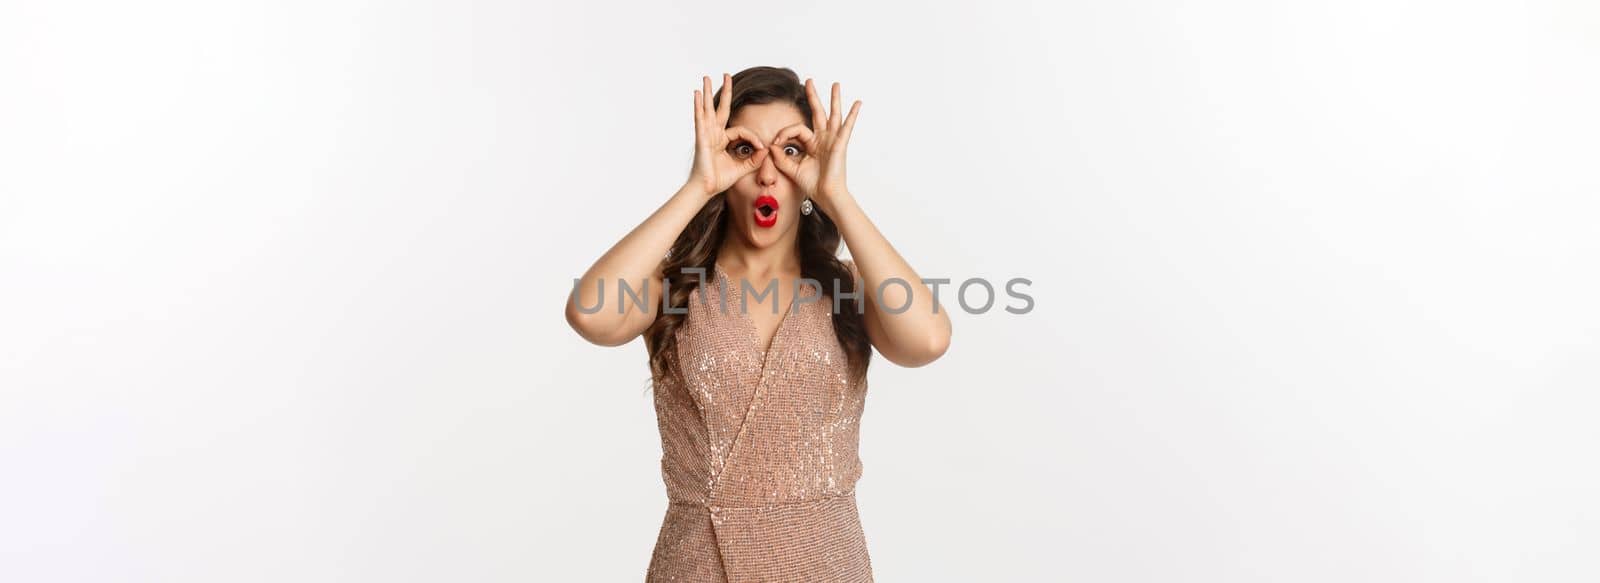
(818,241)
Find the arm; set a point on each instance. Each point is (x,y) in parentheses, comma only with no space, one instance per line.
(913,337)
(636,259)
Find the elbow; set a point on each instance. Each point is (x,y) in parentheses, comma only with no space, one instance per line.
(580,322)
(591,327)
(938,342)
(935,347)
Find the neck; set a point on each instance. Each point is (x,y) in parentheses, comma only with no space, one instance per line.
(781,260)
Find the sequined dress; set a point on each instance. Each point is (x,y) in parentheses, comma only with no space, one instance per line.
(759,448)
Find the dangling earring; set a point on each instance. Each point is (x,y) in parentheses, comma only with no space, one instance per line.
(805,207)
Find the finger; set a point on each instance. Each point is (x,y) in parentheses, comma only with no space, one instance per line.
(706,95)
(849,124)
(788,166)
(834,117)
(781,162)
(745,134)
(798,132)
(727,99)
(697,113)
(817,121)
(781,159)
(755,161)
(791,164)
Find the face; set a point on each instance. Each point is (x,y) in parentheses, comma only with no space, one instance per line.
(766,188)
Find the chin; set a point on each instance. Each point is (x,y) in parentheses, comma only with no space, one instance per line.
(761,237)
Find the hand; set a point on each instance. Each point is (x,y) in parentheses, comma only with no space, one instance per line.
(819,171)
(715,168)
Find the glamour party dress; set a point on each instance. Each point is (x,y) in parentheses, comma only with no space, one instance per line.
(759,447)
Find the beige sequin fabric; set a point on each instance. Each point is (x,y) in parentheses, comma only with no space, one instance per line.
(759,447)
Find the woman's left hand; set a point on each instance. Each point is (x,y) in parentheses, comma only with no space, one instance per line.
(819,170)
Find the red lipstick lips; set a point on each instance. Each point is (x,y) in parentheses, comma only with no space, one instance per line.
(766,211)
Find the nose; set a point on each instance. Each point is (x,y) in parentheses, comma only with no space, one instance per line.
(767,175)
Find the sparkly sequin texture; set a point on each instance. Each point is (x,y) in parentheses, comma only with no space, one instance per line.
(759,448)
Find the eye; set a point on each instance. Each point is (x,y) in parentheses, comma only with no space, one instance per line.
(742,149)
(797,150)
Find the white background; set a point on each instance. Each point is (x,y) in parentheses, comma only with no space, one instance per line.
(281,285)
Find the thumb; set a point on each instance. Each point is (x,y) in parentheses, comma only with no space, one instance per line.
(754,161)
(785,165)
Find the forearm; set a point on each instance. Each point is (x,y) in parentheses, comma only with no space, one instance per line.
(919,332)
(634,259)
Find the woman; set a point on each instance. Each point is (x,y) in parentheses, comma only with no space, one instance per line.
(757,406)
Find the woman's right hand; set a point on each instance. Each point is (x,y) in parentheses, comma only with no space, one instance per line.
(716,167)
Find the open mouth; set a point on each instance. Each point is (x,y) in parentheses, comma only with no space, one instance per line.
(766,211)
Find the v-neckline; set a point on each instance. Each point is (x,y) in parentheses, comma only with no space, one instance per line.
(752,333)
(764,373)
